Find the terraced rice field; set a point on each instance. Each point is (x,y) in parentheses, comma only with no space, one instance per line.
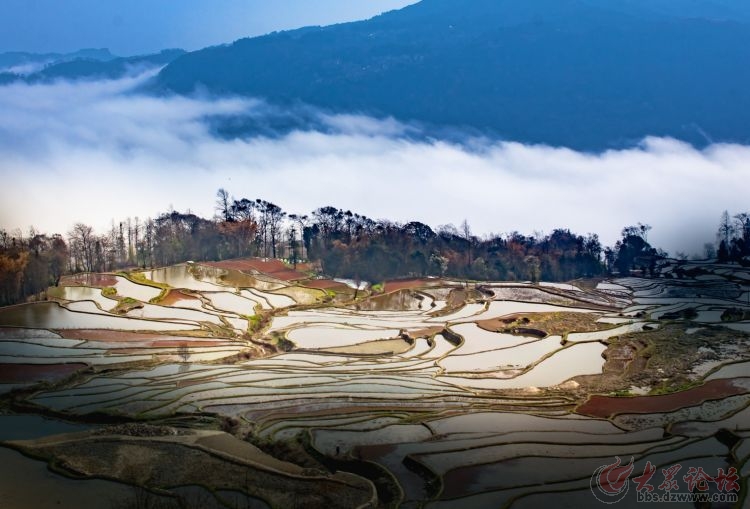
(432,394)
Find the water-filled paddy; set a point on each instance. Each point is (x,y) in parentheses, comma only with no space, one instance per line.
(126,288)
(170,313)
(581,359)
(179,276)
(233,303)
(29,483)
(477,339)
(391,379)
(49,315)
(27,427)
(324,337)
(80,293)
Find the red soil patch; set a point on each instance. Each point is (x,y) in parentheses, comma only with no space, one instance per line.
(406,284)
(497,324)
(17,373)
(175,296)
(89,279)
(325,284)
(607,406)
(272,267)
(288,275)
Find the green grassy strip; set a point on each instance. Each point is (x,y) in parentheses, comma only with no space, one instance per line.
(139,279)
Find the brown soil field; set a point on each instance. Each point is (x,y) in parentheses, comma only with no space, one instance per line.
(275,268)
(288,275)
(325,284)
(218,463)
(552,323)
(18,373)
(175,296)
(608,406)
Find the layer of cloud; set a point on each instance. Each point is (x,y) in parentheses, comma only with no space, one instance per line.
(98,151)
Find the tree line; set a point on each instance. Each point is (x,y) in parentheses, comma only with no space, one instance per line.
(342,243)
(733,237)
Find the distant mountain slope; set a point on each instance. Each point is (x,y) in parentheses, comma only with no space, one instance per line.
(112,69)
(84,64)
(589,74)
(23,63)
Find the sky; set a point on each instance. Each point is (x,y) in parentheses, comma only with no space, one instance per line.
(147,26)
(95,152)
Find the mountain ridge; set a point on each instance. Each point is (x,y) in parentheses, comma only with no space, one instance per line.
(86,64)
(574,73)
(586,74)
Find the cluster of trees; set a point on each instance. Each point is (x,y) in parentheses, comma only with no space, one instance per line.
(345,244)
(350,245)
(633,251)
(733,237)
(354,246)
(28,266)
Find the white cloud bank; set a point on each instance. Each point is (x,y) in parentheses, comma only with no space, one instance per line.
(94,152)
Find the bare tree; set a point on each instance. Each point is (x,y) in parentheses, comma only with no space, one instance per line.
(469,238)
(726,228)
(743,224)
(136,233)
(293,254)
(709,250)
(262,207)
(121,244)
(275,218)
(131,245)
(82,239)
(223,204)
(302,222)
(149,241)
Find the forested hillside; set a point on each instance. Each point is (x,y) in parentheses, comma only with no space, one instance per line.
(340,242)
(587,74)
